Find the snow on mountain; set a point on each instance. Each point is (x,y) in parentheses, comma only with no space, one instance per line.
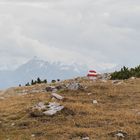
(38,68)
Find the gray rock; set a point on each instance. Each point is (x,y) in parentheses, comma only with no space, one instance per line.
(51,89)
(89,94)
(74,86)
(53,108)
(85,138)
(133,78)
(46,109)
(119,134)
(95,102)
(40,106)
(56,96)
(117,82)
(13,124)
(50,112)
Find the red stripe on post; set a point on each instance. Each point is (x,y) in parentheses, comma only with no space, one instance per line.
(92,71)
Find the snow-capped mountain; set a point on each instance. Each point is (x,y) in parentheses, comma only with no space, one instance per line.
(38,68)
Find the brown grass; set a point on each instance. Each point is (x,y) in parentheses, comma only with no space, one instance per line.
(117,109)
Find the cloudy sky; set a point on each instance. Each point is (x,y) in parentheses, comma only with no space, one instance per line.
(99,33)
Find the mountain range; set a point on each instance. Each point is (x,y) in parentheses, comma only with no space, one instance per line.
(35,68)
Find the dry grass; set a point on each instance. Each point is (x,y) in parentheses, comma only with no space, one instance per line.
(117,109)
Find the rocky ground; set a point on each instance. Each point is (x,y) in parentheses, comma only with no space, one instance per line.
(78,109)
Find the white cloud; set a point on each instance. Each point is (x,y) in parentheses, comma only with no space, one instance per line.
(99,33)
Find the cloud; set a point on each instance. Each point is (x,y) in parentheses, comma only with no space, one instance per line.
(99,33)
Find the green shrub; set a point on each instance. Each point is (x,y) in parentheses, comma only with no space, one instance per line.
(126,73)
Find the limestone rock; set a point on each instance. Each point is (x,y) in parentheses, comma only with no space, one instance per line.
(40,106)
(51,89)
(117,82)
(74,86)
(119,134)
(56,96)
(85,138)
(53,108)
(95,102)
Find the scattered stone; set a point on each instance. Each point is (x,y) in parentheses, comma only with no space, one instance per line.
(89,94)
(50,112)
(104,76)
(33,135)
(59,87)
(117,82)
(74,86)
(133,78)
(85,138)
(37,134)
(86,87)
(13,124)
(119,134)
(56,96)
(53,108)
(40,106)
(95,102)
(51,89)
(54,90)
(42,109)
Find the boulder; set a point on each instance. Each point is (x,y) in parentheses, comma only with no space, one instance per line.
(13,124)
(85,138)
(104,76)
(53,108)
(89,94)
(117,82)
(133,78)
(40,106)
(56,96)
(59,87)
(74,86)
(119,134)
(95,102)
(37,134)
(42,109)
(50,112)
(51,89)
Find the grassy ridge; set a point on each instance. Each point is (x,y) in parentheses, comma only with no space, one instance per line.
(117,109)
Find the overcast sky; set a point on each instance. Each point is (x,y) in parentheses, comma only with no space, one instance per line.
(99,33)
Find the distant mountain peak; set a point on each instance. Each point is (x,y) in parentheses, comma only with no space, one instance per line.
(36,67)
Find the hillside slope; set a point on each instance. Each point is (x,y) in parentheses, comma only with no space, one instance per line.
(101,110)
